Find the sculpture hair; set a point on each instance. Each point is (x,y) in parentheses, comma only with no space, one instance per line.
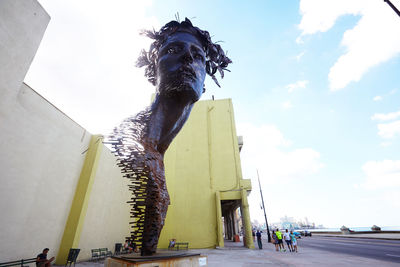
(216,60)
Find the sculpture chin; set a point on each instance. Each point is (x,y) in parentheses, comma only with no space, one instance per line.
(184,91)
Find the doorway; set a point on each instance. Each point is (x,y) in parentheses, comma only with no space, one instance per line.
(232,223)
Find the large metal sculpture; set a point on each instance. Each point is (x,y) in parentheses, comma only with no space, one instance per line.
(176,64)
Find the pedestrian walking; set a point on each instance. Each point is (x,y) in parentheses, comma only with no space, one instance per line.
(275,240)
(258,234)
(288,240)
(294,240)
(280,242)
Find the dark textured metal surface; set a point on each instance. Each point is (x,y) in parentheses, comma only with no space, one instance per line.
(135,162)
(177,63)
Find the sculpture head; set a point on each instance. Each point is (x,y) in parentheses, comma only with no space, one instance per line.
(179,58)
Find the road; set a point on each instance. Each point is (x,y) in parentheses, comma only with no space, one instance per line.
(387,250)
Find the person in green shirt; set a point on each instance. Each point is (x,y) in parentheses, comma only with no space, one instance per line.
(294,240)
(280,243)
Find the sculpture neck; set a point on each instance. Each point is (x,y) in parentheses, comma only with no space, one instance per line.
(167,117)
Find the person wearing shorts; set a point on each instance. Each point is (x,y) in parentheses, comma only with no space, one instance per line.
(288,240)
(294,240)
(280,243)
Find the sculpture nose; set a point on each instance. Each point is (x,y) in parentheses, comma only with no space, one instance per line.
(187,56)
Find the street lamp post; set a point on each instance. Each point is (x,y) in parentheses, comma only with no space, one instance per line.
(392,6)
(265,215)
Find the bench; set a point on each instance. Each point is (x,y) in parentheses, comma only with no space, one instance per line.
(100,253)
(95,253)
(182,245)
(125,251)
(18,263)
(178,245)
(119,249)
(104,252)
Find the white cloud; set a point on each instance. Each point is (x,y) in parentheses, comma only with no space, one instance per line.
(278,163)
(386,144)
(287,105)
(266,149)
(299,56)
(297,85)
(86,62)
(389,130)
(381,174)
(378,98)
(386,117)
(299,40)
(368,44)
(320,16)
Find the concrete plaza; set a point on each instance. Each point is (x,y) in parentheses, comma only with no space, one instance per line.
(242,257)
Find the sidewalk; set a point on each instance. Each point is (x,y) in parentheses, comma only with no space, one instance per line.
(374,236)
(242,257)
(269,257)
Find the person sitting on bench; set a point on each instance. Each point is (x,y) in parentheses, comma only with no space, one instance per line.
(41,259)
(130,246)
(172,243)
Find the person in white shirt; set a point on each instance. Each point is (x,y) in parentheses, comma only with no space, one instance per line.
(288,240)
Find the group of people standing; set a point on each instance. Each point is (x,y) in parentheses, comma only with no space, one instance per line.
(277,240)
(290,239)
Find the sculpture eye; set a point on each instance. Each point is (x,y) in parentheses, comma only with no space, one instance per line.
(199,56)
(173,50)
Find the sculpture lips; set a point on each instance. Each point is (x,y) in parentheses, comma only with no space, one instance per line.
(188,72)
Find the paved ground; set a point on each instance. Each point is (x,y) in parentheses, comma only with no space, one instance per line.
(309,255)
(386,250)
(373,236)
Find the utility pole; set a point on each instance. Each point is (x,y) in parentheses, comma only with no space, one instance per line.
(392,6)
(265,215)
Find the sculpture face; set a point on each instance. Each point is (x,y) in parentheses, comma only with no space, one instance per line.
(181,67)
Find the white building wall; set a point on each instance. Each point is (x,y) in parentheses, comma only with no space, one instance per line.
(41,158)
(22,25)
(107,216)
(42,153)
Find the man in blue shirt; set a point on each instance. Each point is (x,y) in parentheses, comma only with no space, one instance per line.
(258,234)
(41,259)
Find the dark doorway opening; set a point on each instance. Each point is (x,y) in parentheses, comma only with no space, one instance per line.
(232,223)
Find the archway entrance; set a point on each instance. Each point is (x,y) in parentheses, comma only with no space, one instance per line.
(232,223)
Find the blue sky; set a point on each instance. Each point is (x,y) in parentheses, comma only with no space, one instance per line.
(315,87)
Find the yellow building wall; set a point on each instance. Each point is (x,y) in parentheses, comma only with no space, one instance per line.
(202,160)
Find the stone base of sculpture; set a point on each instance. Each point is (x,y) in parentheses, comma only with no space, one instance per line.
(160,259)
